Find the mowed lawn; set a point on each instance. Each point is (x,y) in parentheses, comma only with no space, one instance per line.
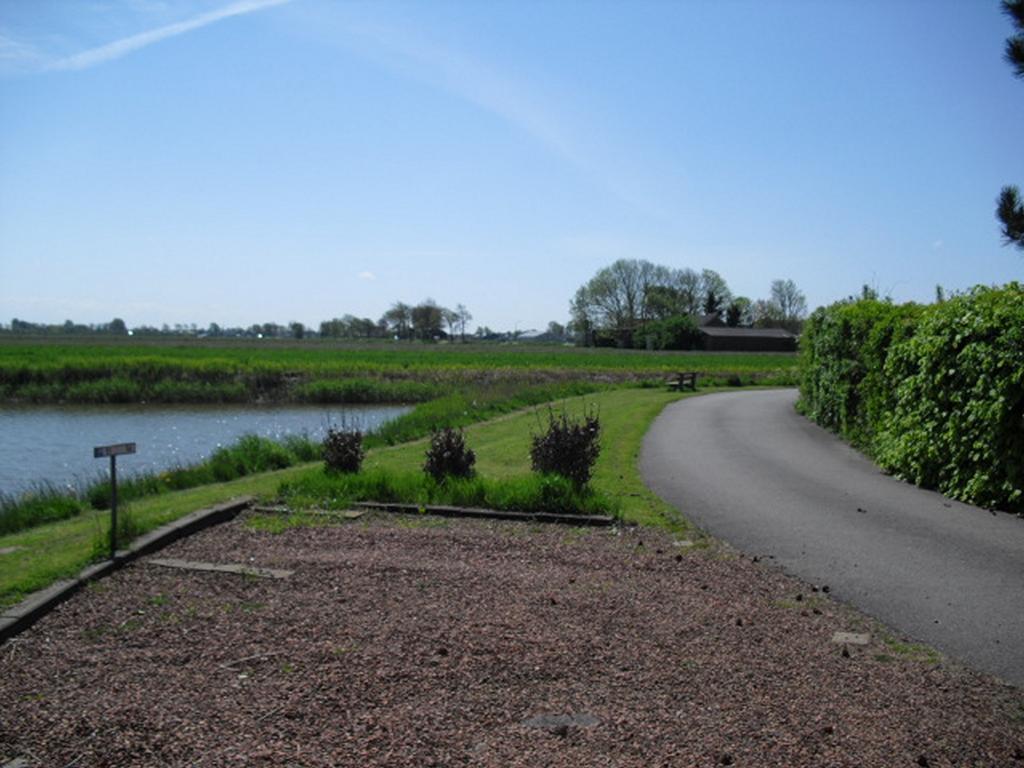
(58,550)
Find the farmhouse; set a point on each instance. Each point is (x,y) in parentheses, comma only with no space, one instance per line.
(725,339)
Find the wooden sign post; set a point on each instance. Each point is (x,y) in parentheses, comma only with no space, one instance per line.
(113,451)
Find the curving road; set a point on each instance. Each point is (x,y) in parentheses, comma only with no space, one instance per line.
(746,467)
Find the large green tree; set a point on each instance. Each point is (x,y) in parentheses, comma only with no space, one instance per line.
(622,300)
(1009,207)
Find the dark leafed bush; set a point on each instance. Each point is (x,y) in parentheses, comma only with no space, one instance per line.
(567,447)
(343,450)
(448,455)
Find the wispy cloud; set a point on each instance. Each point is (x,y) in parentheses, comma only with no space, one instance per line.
(126,45)
(521,103)
(366,275)
(500,93)
(14,52)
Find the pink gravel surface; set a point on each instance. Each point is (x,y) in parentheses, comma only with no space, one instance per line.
(424,642)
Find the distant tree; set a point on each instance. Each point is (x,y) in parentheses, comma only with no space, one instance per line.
(361,327)
(619,303)
(118,327)
(213,330)
(715,293)
(615,299)
(689,291)
(786,308)
(464,317)
(791,303)
(581,312)
(451,319)
(663,301)
(556,329)
(399,319)
(712,303)
(332,329)
(427,318)
(298,330)
(738,313)
(766,314)
(1009,207)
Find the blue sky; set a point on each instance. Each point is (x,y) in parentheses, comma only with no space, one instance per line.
(177,162)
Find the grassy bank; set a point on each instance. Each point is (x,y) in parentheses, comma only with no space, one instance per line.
(49,552)
(502,448)
(253,454)
(525,492)
(204,371)
(250,455)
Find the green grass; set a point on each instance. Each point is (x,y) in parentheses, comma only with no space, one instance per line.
(502,448)
(204,370)
(61,549)
(525,493)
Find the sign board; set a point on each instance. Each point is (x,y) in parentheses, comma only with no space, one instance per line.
(118,449)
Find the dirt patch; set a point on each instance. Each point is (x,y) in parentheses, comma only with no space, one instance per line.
(401,643)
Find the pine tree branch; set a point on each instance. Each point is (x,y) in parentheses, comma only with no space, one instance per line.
(1010,211)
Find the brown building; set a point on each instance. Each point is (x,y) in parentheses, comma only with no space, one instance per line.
(725,339)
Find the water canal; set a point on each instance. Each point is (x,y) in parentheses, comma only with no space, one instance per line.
(54,444)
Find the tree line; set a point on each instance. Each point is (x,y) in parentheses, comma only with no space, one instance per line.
(631,303)
(426,321)
(635,303)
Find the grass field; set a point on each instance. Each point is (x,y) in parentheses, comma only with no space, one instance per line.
(49,552)
(204,370)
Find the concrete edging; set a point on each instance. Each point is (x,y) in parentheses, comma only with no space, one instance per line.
(20,617)
(490,514)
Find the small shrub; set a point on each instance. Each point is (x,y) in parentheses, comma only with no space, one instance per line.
(343,450)
(448,455)
(567,447)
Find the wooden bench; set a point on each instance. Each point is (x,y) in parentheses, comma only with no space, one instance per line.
(680,381)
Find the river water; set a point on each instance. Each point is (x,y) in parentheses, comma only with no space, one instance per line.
(54,444)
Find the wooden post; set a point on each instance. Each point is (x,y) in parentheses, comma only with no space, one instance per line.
(113,451)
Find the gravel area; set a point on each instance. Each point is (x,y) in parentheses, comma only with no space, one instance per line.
(424,642)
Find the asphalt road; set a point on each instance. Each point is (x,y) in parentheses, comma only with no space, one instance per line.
(747,468)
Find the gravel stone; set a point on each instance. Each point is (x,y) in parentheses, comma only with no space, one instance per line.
(413,641)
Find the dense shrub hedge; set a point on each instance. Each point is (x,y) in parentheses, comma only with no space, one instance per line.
(934,393)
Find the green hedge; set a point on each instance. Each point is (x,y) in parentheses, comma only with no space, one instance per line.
(934,393)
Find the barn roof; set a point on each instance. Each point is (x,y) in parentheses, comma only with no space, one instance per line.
(748,333)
